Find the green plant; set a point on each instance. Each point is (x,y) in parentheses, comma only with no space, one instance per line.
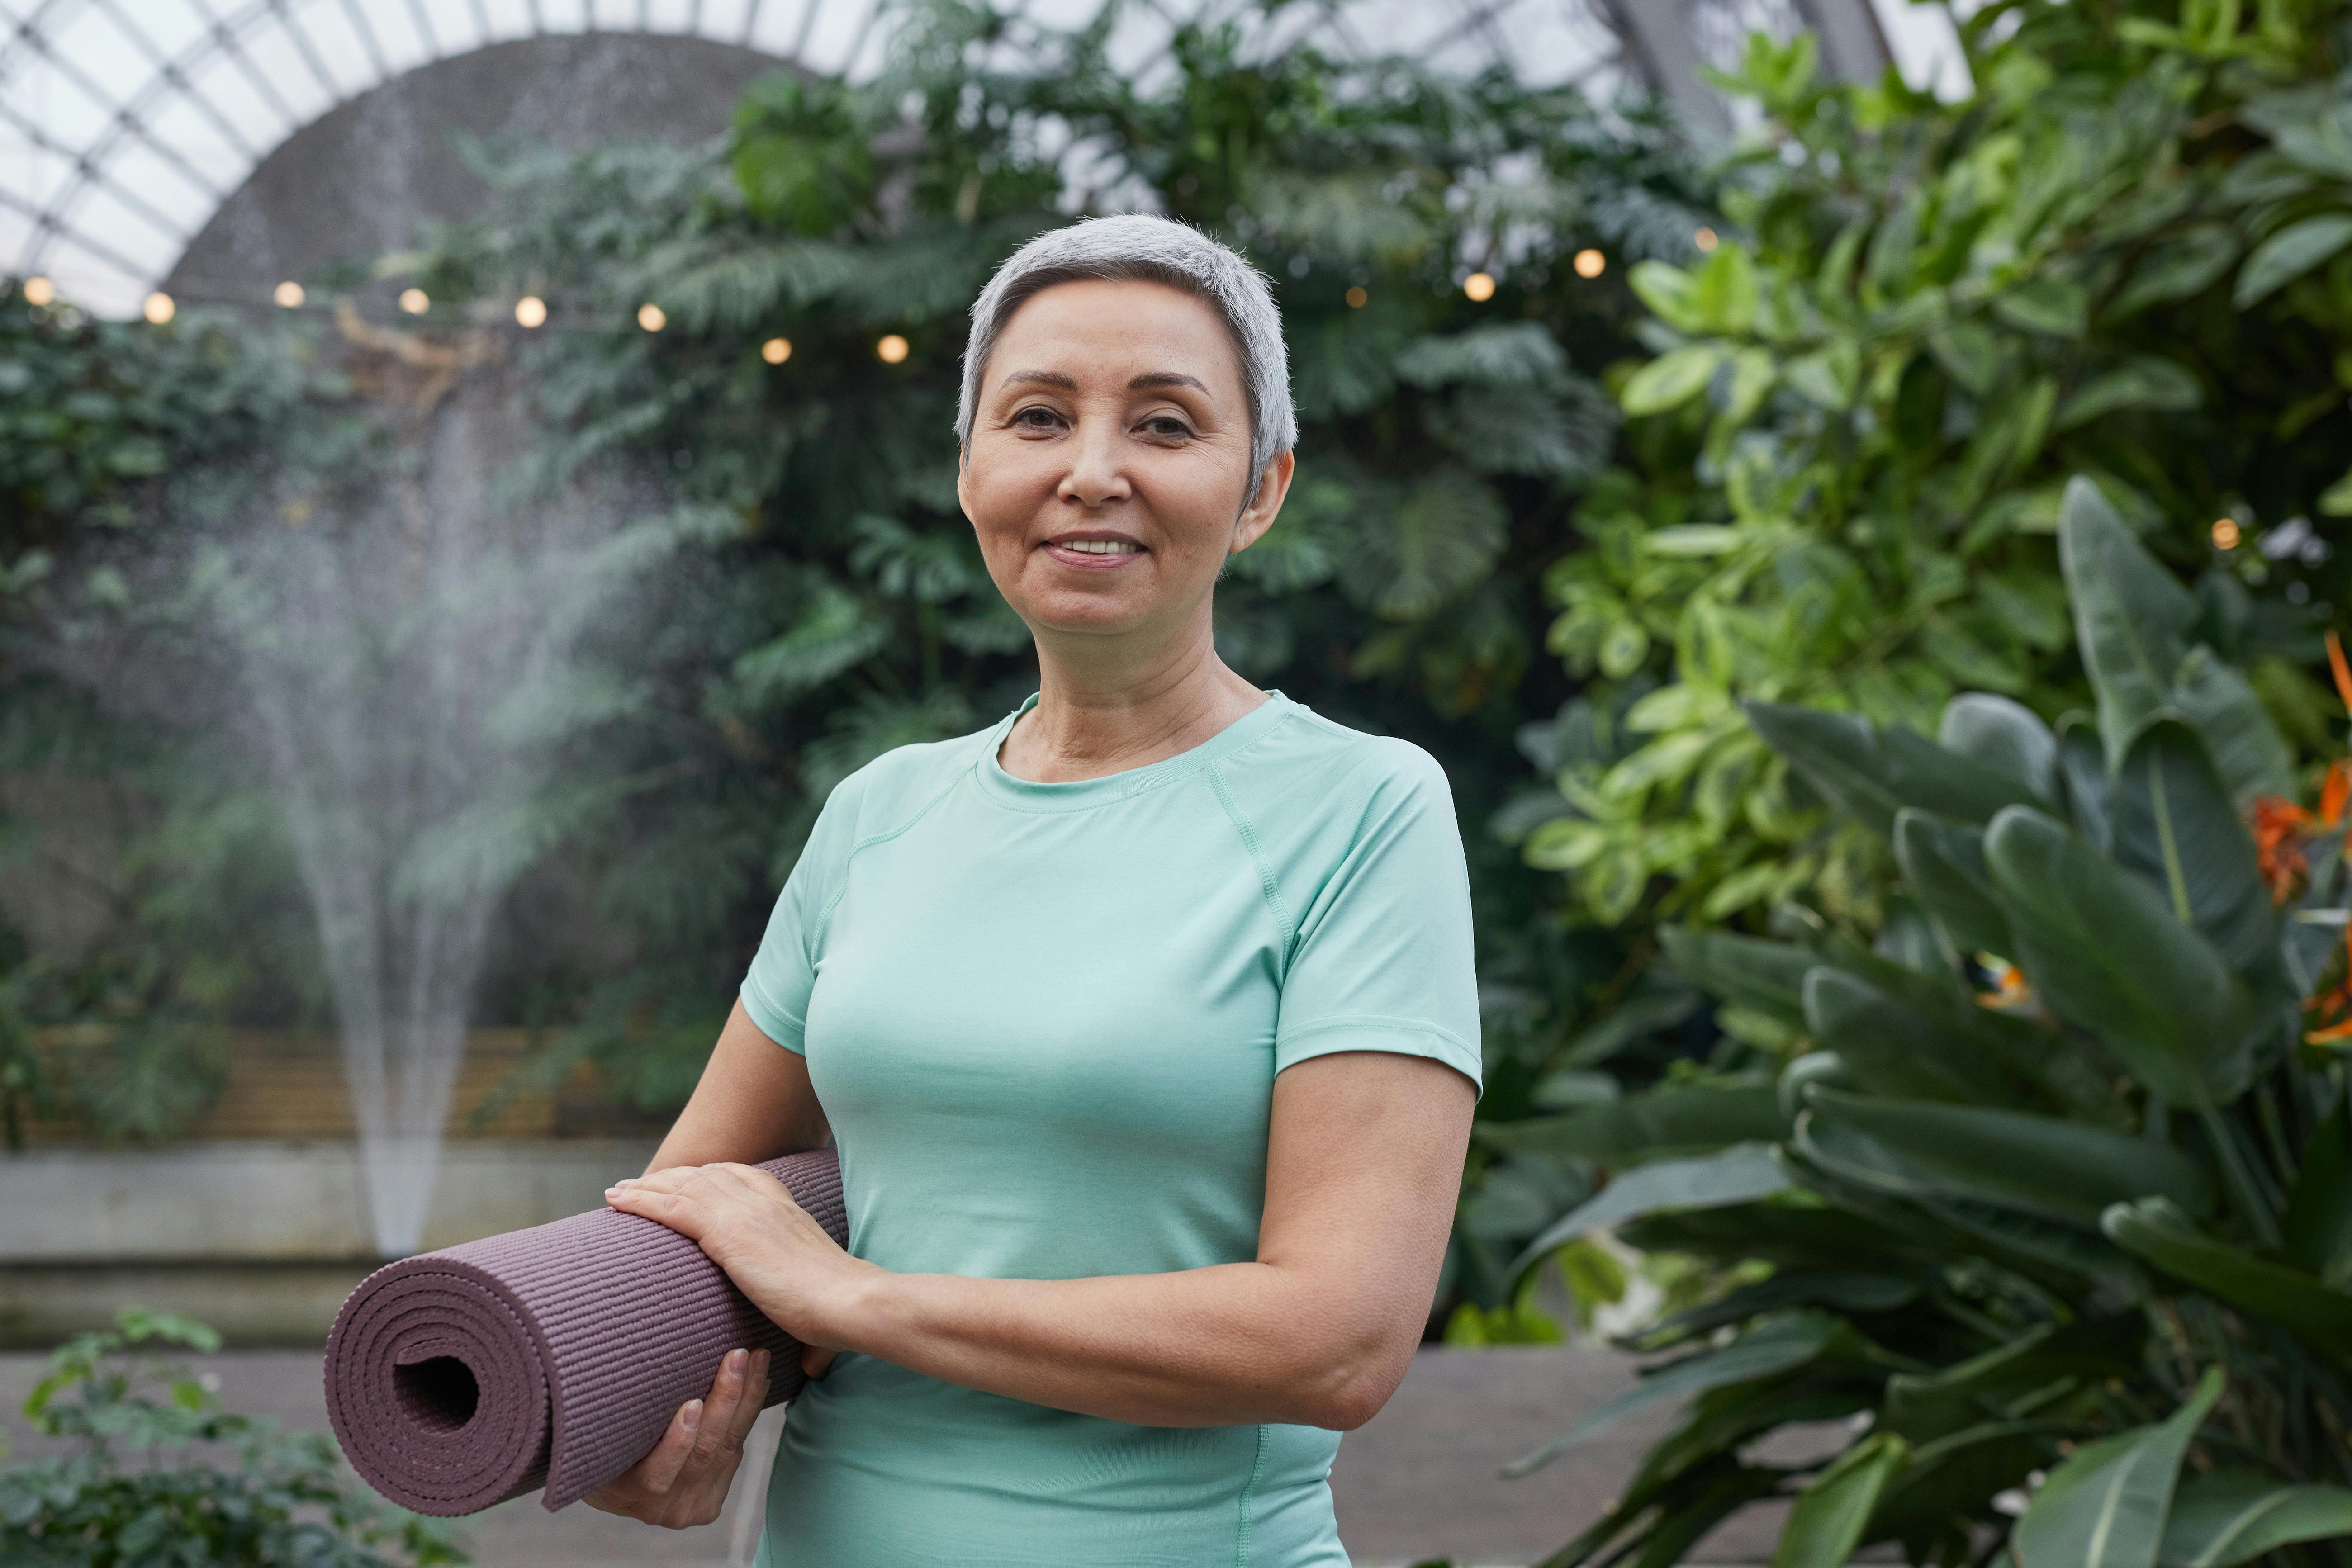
(280,1499)
(2055,1182)
(2123,255)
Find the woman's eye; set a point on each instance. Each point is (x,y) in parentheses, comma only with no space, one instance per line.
(1168,428)
(1037,418)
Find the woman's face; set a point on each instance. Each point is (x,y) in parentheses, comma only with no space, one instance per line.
(1110,459)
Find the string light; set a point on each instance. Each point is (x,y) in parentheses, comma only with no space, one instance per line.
(2226,534)
(288,296)
(414,302)
(39,291)
(159,307)
(1590,263)
(1356,298)
(530,310)
(776,351)
(891,349)
(650,316)
(1704,239)
(1480,287)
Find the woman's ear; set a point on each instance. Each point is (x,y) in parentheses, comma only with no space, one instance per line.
(1259,513)
(963,473)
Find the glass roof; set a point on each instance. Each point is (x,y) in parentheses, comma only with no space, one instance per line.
(125,123)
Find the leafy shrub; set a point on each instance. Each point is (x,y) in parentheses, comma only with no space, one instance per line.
(2055,1189)
(2124,255)
(283,1499)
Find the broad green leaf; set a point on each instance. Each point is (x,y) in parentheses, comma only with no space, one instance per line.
(1872,774)
(2106,1507)
(2237,729)
(1767,976)
(2142,380)
(2288,255)
(1943,862)
(1827,1522)
(2318,1223)
(1725,291)
(1927,1405)
(1651,1122)
(1671,380)
(2156,1231)
(1844,1290)
(2083,779)
(2129,615)
(1772,1346)
(1743,1171)
(2225,1518)
(2063,1169)
(2104,951)
(2002,734)
(2175,825)
(1668,290)
(2179,269)
(1891,1048)
(2053,307)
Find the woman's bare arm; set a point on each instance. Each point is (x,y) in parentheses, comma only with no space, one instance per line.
(1364,1164)
(754,1103)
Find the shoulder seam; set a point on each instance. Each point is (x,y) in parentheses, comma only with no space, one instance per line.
(824,918)
(1267,884)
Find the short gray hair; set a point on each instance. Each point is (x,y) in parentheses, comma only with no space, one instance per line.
(1144,249)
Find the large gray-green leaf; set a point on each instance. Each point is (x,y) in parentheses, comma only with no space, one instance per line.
(2155,1230)
(1670,1120)
(2105,952)
(2106,1507)
(2129,614)
(1743,1171)
(1767,976)
(2175,825)
(1772,1346)
(2003,734)
(2060,1169)
(2237,730)
(2227,1517)
(2289,254)
(1827,1522)
(1889,1047)
(1943,862)
(1872,774)
(2082,775)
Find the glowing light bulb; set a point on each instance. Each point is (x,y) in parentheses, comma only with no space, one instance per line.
(414,302)
(1591,263)
(1704,239)
(2226,534)
(530,310)
(1480,287)
(650,316)
(776,351)
(288,296)
(39,291)
(891,349)
(1356,298)
(159,307)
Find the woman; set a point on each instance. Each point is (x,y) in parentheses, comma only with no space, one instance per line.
(1144,1020)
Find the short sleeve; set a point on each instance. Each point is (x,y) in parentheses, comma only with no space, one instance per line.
(1383,959)
(783,971)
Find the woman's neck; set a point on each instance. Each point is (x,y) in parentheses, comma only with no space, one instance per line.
(1098,715)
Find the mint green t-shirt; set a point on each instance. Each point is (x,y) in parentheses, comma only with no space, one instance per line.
(1045,1022)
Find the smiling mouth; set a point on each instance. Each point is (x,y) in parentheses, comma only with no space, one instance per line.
(1098,546)
(1095,551)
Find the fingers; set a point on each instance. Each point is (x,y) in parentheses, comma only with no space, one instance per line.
(815,1362)
(724,1403)
(755,1394)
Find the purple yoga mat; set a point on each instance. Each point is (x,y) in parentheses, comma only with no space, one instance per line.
(552,1357)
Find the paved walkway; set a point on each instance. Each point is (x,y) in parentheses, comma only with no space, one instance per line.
(1417,1482)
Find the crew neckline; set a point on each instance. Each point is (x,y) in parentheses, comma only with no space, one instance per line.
(1073,794)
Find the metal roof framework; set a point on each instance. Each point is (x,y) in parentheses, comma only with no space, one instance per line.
(124,125)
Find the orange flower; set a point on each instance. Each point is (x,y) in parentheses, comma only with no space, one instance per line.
(2333,1007)
(2278,825)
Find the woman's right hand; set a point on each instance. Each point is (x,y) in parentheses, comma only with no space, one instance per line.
(683,1481)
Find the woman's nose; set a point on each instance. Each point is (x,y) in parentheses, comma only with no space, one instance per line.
(1097,471)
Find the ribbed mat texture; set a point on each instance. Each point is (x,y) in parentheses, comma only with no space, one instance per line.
(552,1357)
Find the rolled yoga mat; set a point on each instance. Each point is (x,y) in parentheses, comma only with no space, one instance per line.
(552,1357)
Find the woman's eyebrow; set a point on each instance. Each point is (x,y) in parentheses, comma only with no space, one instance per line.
(1150,379)
(1047,377)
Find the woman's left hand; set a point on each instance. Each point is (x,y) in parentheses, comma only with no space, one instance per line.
(746,1222)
